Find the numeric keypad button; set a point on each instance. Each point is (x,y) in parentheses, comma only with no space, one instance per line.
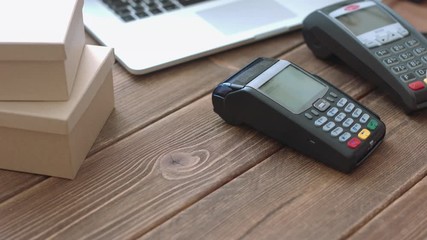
(337,131)
(349,107)
(340,117)
(406,56)
(347,123)
(382,53)
(421,72)
(415,64)
(391,61)
(399,69)
(365,117)
(420,50)
(344,137)
(320,121)
(342,102)
(332,112)
(328,126)
(412,43)
(398,48)
(356,113)
(355,128)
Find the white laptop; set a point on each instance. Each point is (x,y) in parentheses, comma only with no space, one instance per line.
(149,35)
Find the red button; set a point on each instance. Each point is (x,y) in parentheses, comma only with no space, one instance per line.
(417,85)
(353,143)
(350,8)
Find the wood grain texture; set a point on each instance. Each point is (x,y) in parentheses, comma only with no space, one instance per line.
(12,183)
(139,182)
(404,219)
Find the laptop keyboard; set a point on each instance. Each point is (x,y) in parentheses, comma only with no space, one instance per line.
(130,10)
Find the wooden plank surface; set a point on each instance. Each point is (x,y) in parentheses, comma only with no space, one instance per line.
(404,219)
(130,187)
(166,167)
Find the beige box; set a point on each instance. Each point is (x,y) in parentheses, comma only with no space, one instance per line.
(41,43)
(53,138)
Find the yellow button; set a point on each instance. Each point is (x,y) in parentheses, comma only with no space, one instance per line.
(364,134)
(425,80)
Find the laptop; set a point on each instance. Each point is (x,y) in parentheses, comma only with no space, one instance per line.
(148,35)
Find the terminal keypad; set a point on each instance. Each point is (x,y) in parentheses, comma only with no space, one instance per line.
(343,119)
(406,59)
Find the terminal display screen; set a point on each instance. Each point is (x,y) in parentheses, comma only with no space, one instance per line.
(293,89)
(365,20)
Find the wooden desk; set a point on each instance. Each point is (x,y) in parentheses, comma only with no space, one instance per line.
(165,166)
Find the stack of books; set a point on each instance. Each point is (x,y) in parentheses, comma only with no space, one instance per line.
(56,92)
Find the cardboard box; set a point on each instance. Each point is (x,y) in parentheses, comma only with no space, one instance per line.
(41,43)
(53,138)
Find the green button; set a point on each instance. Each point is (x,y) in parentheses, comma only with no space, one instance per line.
(372,125)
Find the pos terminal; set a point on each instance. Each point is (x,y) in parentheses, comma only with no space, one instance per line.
(300,110)
(377,43)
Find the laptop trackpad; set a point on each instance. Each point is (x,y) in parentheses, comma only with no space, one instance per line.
(244,15)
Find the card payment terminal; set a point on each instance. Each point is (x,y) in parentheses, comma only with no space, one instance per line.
(380,45)
(300,110)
